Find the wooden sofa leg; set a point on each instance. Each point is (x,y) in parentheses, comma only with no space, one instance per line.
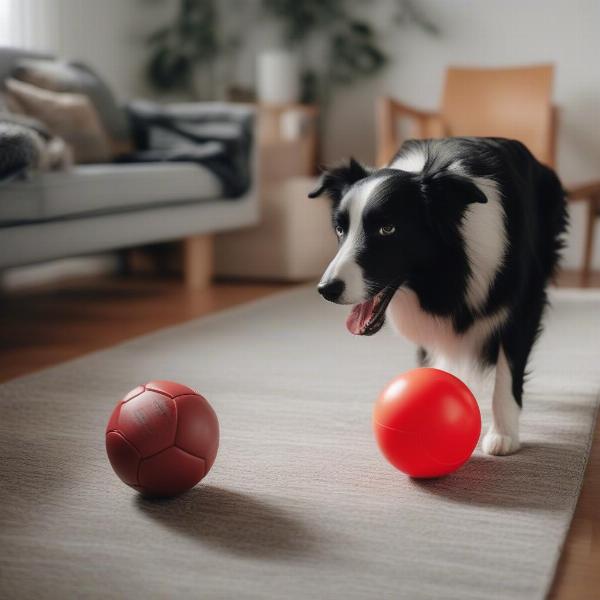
(198,261)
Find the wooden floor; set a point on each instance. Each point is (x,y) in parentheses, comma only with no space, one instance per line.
(43,327)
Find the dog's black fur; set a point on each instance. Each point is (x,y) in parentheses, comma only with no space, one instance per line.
(427,253)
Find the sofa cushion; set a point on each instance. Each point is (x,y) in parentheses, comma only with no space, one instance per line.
(71,117)
(90,189)
(76,78)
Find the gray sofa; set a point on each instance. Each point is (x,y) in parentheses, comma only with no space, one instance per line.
(95,208)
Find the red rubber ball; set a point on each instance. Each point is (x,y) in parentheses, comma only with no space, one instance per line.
(162,438)
(426,423)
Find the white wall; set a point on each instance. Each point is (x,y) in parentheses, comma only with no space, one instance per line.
(491,33)
(110,36)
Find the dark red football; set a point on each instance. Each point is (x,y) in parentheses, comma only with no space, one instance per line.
(162,438)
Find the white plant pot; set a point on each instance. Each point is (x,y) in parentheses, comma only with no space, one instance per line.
(278,79)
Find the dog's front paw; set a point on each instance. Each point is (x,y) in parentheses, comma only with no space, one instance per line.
(498,444)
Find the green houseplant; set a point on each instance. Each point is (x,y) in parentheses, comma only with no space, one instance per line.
(352,47)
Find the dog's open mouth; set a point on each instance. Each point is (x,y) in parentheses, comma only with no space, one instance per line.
(368,317)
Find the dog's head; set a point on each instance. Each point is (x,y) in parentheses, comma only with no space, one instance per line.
(390,224)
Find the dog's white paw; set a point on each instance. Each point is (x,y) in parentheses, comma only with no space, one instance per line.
(498,444)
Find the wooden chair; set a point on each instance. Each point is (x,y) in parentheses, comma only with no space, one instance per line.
(513,102)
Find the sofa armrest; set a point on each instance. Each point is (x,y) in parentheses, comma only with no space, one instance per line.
(217,135)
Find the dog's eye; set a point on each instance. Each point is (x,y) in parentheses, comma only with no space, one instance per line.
(387,230)
(339,231)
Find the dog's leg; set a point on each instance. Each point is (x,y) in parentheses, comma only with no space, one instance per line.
(516,343)
(503,436)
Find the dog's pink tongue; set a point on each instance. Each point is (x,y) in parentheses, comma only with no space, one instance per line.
(360,316)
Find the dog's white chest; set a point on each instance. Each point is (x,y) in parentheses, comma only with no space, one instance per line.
(436,334)
(412,322)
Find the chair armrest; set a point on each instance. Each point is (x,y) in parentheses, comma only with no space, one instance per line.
(426,124)
(586,191)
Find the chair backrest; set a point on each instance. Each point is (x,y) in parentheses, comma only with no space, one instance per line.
(508,102)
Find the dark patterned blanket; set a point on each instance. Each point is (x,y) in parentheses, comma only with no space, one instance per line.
(217,136)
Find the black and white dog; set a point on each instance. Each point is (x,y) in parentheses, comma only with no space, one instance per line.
(455,242)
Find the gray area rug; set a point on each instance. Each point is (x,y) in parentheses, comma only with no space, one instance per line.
(299,503)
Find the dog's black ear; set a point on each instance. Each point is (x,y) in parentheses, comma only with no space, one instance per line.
(451,189)
(336,181)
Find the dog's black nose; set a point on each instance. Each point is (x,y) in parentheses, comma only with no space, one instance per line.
(331,290)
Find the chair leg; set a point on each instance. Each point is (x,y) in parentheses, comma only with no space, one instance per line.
(198,261)
(588,247)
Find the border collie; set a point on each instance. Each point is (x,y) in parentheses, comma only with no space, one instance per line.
(454,241)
